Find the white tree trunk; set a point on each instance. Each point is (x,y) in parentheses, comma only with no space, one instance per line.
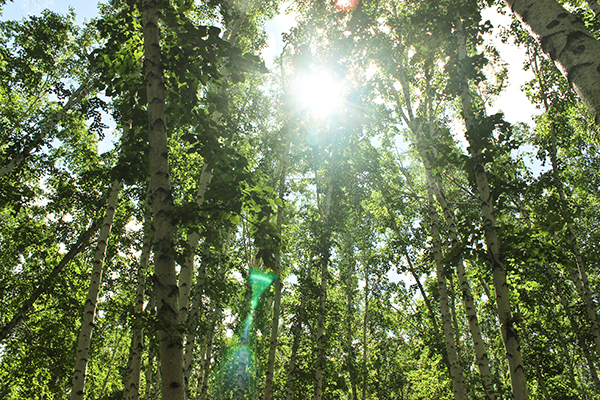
(325,255)
(458,380)
(132,380)
(566,40)
(165,282)
(89,309)
(507,329)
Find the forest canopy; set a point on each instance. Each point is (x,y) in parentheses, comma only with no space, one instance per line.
(353,220)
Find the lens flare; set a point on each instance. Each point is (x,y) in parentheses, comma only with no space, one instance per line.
(239,363)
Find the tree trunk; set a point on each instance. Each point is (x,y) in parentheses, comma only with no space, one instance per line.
(467,296)
(566,40)
(296,331)
(194,316)
(322,314)
(278,283)
(509,333)
(365,344)
(458,381)
(205,365)
(187,267)
(149,370)
(165,283)
(131,390)
(577,331)
(89,309)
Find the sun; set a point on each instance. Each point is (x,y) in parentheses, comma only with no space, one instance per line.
(320,92)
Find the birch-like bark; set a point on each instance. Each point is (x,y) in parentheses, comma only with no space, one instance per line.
(194,316)
(465,287)
(322,315)
(365,345)
(296,331)
(187,268)
(89,309)
(576,329)
(205,364)
(83,90)
(278,283)
(48,283)
(579,273)
(566,40)
(165,282)
(131,390)
(458,381)
(350,358)
(509,333)
(151,308)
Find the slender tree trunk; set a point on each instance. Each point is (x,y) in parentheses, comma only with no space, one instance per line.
(205,365)
(458,381)
(296,331)
(566,40)
(133,372)
(89,309)
(165,283)
(151,308)
(187,267)
(365,344)
(76,248)
(350,356)
(507,328)
(578,274)
(278,283)
(322,315)
(194,316)
(577,331)
(434,323)
(83,90)
(467,296)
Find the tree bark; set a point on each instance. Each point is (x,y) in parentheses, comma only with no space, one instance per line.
(467,296)
(507,328)
(165,282)
(458,380)
(322,314)
(131,390)
(205,365)
(278,283)
(89,309)
(566,40)
(187,268)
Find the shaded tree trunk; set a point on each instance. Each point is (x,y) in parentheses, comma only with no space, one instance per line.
(507,328)
(458,381)
(566,40)
(278,283)
(322,313)
(132,377)
(89,309)
(165,282)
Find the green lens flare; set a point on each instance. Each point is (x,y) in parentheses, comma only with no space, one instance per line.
(260,280)
(239,366)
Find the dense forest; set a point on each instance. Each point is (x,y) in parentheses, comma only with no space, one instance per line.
(352,222)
